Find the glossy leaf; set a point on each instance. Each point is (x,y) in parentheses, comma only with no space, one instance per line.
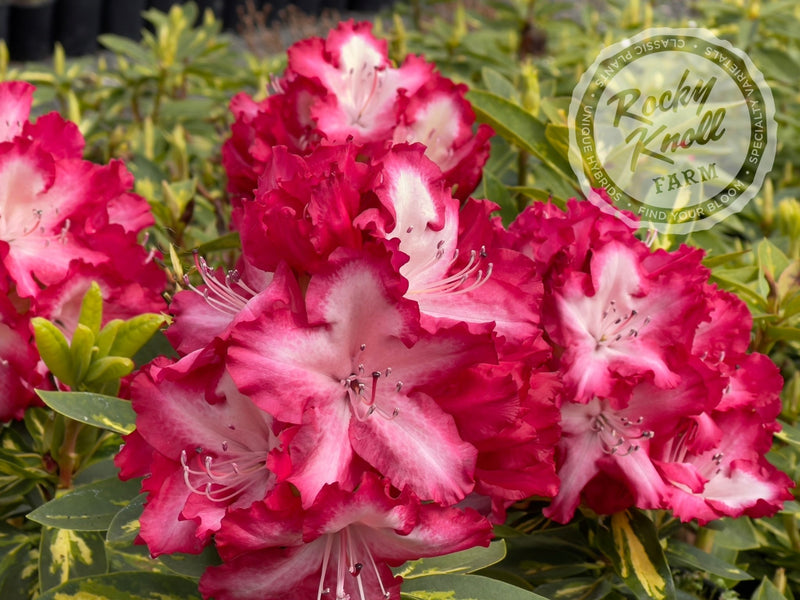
(519,127)
(124,527)
(81,352)
(629,538)
(683,555)
(91,314)
(53,348)
(466,561)
(89,507)
(65,554)
(18,573)
(109,368)
(134,333)
(98,410)
(465,587)
(126,586)
(767,591)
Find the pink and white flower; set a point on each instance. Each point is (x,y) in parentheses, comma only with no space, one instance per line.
(352,370)
(340,547)
(205,447)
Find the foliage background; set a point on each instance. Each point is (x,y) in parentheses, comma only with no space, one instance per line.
(67,524)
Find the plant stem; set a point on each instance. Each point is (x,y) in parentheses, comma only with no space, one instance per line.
(66,468)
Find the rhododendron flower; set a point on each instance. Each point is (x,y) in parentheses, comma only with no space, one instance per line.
(19,373)
(618,322)
(353,371)
(340,547)
(345,88)
(57,208)
(645,348)
(604,438)
(716,463)
(205,447)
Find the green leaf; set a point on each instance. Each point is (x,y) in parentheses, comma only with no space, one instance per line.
(465,587)
(89,507)
(191,565)
(767,591)
(466,561)
(109,368)
(92,309)
(497,84)
(66,554)
(53,348)
(229,241)
(684,555)
(107,336)
(125,586)
(17,566)
(496,191)
(771,259)
(190,108)
(98,410)
(158,345)
(519,127)
(124,527)
(127,48)
(789,434)
(631,541)
(134,333)
(576,588)
(736,534)
(81,352)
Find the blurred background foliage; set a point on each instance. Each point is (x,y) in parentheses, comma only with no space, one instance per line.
(161,106)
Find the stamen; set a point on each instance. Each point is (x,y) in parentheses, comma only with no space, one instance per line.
(454,283)
(37,214)
(218,295)
(226,479)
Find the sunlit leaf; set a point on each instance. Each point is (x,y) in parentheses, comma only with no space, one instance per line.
(466,561)
(126,586)
(465,587)
(66,554)
(629,538)
(89,507)
(106,412)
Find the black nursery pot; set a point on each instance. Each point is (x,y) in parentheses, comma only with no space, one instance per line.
(77,25)
(369,5)
(163,5)
(230,12)
(3,20)
(30,31)
(124,17)
(310,7)
(339,5)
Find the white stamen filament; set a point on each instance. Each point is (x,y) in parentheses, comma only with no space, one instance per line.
(223,480)
(617,435)
(615,326)
(455,283)
(221,297)
(350,546)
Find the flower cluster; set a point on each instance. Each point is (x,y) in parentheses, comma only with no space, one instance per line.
(388,369)
(64,222)
(662,407)
(345,88)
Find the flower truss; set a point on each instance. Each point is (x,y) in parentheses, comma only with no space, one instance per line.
(661,403)
(345,88)
(64,222)
(387,369)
